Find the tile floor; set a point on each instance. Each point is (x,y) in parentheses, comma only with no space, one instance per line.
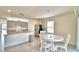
(33,46)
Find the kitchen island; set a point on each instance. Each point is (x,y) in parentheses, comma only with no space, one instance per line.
(18,38)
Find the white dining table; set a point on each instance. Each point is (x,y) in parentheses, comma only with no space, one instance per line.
(52,39)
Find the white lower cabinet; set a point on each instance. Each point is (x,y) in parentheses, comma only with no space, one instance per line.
(16,39)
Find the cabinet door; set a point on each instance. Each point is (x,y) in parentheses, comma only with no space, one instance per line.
(11,25)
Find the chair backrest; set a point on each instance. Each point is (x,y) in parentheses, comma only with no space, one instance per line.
(42,32)
(42,40)
(67,40)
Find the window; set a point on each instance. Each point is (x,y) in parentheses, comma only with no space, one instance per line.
(50,26)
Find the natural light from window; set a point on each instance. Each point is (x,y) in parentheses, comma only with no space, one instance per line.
(50,26)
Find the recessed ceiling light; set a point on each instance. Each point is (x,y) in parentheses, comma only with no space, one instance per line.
(9,10)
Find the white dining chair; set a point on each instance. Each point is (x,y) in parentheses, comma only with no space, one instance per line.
(44,44)
(42,32)
(65,44)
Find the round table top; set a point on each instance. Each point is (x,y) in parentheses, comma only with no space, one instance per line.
(52,37)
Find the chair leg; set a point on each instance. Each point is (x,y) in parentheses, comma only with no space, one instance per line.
(45,49)
(61,50)
(65,49)
(55,49)
(41,48)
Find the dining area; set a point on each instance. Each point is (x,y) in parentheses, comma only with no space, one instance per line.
(58,32)
(53,43)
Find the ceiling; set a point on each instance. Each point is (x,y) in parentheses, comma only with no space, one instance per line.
(34,11)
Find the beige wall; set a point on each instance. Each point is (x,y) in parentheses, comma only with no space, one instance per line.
(66,23)
(33,22)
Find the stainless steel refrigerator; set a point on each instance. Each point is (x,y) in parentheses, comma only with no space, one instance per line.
(38,28)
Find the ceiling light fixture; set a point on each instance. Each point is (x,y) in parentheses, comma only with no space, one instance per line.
(9,10)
